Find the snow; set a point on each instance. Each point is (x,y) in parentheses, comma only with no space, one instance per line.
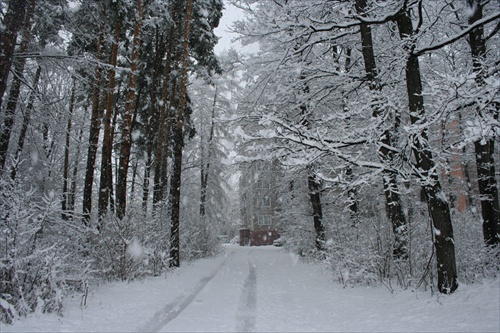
(134,249)
(136,135)
(267,289)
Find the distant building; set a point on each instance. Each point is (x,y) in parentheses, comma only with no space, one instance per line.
(258,203)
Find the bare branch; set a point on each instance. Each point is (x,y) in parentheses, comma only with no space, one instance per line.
(458,36)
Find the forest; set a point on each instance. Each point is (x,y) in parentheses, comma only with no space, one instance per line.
(123,136)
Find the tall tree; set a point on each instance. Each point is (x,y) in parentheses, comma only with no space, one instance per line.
(425,166)
(157,46)
(13,22)
(126,144)
(313,181)
(95,128)
(205,161)
(15,87)
(26,121)
(106,182)
(484,146)
(393,204)
(314,188)
(179,143)
(66,193)
(164,121)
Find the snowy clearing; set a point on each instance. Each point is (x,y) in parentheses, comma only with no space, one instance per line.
(265,289)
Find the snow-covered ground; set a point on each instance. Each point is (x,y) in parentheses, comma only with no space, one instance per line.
(265,289)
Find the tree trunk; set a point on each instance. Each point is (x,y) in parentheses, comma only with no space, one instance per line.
(26,122)
(65,198)
(179,145)
(146,180)
(112,202)
(13,22)
(438,206)
(314,188)
(169,128)
(106,183)
(72,193)
(205,165)
(126,144)
(95,127)
(159,52)
(352,198)
(141,85)
(488,191)
(394,208)
(313,184)
(352,193)
(484,147)
(161,151)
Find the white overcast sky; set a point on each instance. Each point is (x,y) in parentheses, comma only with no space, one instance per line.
(230,15)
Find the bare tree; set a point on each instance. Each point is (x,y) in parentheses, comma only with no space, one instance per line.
(484,147)
(425,166)
(393,204)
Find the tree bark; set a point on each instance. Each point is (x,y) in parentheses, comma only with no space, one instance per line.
(352,198)
(164,122)
(426,168)
(159,52)
(169,128)
(13,22)
(314,188)
(126,144)
(106,182)
(95,127)
(394,208)
(179,145)
(141,85)
(484,147)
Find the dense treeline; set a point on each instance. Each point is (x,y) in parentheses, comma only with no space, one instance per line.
(374,106)
(99,134)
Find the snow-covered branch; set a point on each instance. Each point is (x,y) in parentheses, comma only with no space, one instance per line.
(458,36)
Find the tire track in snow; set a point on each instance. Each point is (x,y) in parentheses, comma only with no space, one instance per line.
(246,318)
(175,308)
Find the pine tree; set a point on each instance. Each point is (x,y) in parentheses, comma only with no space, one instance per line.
(125,147)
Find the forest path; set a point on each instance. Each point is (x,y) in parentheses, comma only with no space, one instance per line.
(173,309)
(266,289)
(244,294)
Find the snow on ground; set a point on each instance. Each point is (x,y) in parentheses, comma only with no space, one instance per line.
(265,289)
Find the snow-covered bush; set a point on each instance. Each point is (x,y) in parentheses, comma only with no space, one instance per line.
(32,264)
(126,249)
(475,261)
